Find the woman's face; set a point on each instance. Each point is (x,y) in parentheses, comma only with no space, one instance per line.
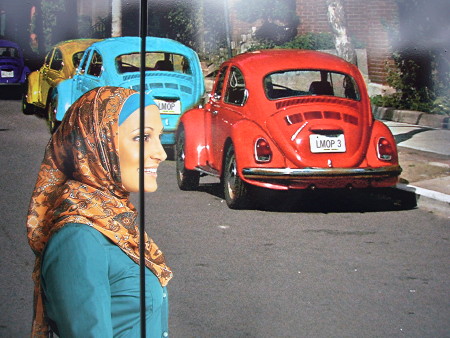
(154,153)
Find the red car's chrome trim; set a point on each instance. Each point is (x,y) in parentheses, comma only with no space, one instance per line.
(207,170)
(319,173)
(316,115)
(321,99)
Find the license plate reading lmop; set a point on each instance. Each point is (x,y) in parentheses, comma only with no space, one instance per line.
(327,143)
(169,107)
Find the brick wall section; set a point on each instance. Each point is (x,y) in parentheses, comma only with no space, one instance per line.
(370,22)
(313,16)
(367,22)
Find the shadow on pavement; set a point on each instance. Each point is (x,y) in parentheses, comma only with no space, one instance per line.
(399,138)
(326,200)
(10,92)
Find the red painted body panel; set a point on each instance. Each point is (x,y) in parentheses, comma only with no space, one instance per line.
(289,125)
(196,148)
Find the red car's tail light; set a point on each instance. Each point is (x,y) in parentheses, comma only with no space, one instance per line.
(384,149)
(263,153)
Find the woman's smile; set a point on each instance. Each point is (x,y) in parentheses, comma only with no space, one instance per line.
(153,171)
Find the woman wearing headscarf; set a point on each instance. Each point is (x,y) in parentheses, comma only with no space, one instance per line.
(82,226)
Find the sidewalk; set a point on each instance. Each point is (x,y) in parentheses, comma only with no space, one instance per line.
(424,155)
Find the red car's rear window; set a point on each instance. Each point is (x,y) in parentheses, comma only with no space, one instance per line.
(310,82)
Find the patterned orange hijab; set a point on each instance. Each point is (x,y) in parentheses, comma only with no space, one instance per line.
(79,182)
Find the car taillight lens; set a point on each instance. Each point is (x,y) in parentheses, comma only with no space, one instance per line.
(385,149)
(263,153)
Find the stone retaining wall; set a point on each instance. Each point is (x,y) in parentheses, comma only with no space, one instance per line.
(412,117)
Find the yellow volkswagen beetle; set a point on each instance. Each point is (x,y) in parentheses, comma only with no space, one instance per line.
(59,64)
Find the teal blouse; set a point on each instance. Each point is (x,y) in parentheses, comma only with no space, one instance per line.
(91,288)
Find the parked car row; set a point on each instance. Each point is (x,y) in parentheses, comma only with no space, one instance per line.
(173,77)
(275,119)
(60,64)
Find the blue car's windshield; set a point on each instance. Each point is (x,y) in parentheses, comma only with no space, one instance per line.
(301,82)
(154,61)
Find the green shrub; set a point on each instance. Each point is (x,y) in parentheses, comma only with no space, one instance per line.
(402,77)
(312,41)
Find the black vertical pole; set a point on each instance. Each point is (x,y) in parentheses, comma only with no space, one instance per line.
(143,34)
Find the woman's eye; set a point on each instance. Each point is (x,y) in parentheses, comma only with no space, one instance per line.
(146,138)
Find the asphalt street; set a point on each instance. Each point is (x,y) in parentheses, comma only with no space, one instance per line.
(333,264)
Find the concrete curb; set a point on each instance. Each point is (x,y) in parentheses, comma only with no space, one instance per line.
(438,196)
(412,117)
(429,199)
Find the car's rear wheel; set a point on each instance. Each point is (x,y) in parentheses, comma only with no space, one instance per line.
(52,103)
(27,109)
(236,191)
(186,179)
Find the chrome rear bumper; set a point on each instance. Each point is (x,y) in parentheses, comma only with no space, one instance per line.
(321,173)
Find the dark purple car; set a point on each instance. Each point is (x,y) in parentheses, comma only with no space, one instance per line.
(12,68)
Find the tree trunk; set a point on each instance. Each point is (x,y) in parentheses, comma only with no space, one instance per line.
(116,22)
(336,19)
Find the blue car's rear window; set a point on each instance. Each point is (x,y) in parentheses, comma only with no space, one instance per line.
(154,61)
(9,52)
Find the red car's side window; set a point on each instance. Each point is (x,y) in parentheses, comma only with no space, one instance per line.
(219,84)
(235,92)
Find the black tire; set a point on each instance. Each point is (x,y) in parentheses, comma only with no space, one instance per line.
(236,191)
(186,179)
(27,109)
(52,102)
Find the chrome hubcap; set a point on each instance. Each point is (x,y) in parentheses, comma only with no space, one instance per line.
(232,172)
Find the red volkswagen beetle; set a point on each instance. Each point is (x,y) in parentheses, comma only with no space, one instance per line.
(285,119)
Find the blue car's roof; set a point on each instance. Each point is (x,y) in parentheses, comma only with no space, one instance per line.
(7,43)
(129,44)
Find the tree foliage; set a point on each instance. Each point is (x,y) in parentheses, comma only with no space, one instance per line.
(183,22)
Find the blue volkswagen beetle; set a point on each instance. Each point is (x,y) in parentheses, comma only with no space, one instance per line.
(173,76)
(13,71)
